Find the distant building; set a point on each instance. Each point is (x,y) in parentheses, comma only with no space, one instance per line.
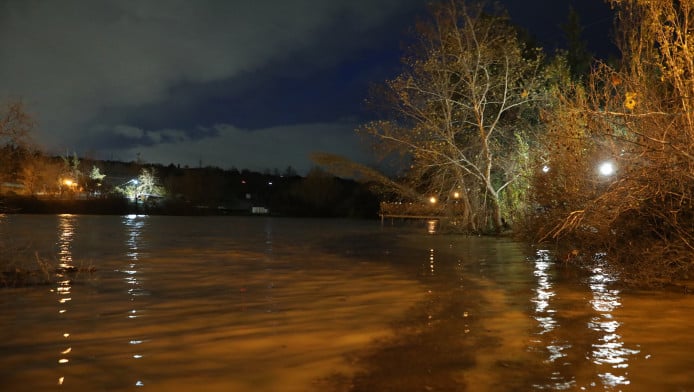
(259,210)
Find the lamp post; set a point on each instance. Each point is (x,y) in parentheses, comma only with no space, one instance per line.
(131,193)
(71,186)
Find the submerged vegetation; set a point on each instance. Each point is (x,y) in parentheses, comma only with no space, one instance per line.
(19,267)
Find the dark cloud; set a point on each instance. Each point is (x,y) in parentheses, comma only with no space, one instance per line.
(178,80)
(74,61)
(270,148)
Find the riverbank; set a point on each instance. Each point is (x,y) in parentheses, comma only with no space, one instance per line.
(366,209)
(108,206)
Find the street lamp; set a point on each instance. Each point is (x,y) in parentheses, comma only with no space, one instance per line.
(129,191)
(606,168)
(432,200)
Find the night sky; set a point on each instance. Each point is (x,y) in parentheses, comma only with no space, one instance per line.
(248,84)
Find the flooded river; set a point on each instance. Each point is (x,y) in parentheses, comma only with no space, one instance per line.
(267,304)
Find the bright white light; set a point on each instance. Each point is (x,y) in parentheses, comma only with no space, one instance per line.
(606,169)
(545,169)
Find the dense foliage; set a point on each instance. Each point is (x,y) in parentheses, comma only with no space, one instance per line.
(599,162)
(639,117)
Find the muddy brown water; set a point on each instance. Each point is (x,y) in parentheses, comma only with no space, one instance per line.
(268,304)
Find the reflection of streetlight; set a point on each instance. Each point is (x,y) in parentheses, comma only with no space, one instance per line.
(606,169)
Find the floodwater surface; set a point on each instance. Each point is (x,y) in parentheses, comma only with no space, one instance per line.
(266,304)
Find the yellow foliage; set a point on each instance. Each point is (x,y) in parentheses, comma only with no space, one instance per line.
(630,100)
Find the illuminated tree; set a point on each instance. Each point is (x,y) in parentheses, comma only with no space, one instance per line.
(36,174)
(70,179)
(94,180)
(149,184)
(145,186)
(460,112)
(640,117)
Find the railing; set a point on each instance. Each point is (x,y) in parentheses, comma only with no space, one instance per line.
(420,210)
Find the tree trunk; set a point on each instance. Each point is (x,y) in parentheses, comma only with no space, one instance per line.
(496,212)
(496,215)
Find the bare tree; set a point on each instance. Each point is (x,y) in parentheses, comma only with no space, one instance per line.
(458,110)
(146,185)
(16,125)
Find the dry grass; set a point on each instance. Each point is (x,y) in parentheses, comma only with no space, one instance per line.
(22,268)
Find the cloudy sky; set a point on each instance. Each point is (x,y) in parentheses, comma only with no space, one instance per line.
(257,84)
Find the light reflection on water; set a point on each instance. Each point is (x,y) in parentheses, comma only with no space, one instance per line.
(608,351)
(66,231)
(134,226)
(237,304)
(545,315)
(189,303)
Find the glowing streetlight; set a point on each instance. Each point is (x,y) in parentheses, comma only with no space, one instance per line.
(456,195)
(606,169)
(432,200)
(69,183)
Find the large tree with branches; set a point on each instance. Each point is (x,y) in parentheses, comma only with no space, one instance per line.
(457,114)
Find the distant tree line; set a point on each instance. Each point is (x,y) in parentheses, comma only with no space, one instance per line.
(32,181)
